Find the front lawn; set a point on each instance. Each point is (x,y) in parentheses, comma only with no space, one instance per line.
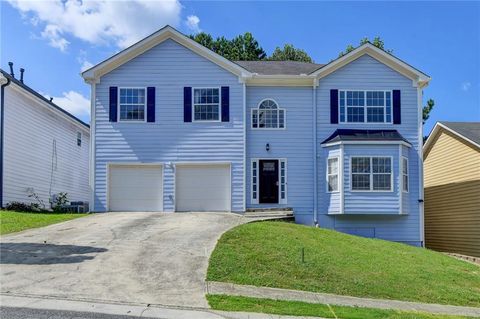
(269,254)
(11,221)
(296,308)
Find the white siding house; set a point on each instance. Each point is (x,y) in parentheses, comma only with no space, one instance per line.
(44,149)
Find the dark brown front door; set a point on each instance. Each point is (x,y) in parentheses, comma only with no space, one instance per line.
(268,181)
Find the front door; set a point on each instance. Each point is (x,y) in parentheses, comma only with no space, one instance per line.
(268,181)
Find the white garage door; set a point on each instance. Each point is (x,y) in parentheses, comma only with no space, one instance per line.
(135,188)
(202,188)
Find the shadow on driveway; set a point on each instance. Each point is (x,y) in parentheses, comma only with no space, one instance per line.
(45,254)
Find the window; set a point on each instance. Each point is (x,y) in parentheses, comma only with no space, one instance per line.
(371,173)
(79,138)
(365,106)
(283,181)
(405,174)
(206,104)
(254,181)
(132,104)
(332,174)
(268,115)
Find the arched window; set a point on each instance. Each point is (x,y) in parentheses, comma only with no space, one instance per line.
(268,115)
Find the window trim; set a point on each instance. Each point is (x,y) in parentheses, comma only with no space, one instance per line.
(278,116)
(371,190)
(365,108)
(405,161)
(219,104)
(119,120)
(79,138)
(338,174)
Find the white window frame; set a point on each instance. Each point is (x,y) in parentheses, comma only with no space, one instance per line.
(281,201)
(371,173)
(257,110)
(79,139)
(405,186)
(219,104)
(119,105)
(338,174)
(365,107)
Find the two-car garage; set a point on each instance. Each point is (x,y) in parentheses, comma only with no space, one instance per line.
(197,187)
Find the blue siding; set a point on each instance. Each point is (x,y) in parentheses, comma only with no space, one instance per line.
(367,73)
(293,143)
(169,67)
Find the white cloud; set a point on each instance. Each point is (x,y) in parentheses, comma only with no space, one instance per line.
(99,21)
(193,23)
(466,86)
(72,102)
(86,65)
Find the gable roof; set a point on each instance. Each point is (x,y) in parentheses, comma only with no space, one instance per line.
(165,33)
(357,135)
(50,104)
(380,55)
(467,131)
(279,67)
(256,72)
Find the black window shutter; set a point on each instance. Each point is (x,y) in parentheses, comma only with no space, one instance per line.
(397,113)
(334,106)
(113,104)
(187,104)
(225,104)
(150,104)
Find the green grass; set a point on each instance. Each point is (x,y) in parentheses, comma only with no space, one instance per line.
(269,254)
(11,221)
(295,308)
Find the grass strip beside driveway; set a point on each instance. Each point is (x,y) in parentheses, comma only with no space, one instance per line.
(269,254)
(12,221)
(296,308)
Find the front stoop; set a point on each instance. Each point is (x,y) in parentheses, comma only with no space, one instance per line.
(269,213)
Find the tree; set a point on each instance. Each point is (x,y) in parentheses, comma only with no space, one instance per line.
(427,109)
(377,41)
(290,53)
(242,47)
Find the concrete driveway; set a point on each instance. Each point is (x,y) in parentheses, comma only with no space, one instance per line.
(144,258)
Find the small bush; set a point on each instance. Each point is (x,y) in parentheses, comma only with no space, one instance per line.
(23,207)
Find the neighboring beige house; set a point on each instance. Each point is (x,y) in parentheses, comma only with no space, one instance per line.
(452,188)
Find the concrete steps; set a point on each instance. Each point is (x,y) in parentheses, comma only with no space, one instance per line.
(269,213)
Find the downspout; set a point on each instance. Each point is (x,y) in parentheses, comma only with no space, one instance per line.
(2,124)
(315,177)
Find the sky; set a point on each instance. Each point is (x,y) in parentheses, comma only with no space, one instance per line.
(55,40)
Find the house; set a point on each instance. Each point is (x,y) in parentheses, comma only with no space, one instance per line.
(44,149)
(452,188)
(177,127)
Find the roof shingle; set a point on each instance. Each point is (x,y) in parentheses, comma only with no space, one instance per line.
(279,67)
(469,130)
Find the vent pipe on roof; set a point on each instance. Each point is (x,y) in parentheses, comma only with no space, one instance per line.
(10,64)
(21,74)
(51,99)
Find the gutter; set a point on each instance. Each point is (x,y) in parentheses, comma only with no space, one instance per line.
(315,177)
(2,132)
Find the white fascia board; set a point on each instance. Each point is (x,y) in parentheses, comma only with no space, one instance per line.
(386,58)
(280,80)
(95,72)
(366,143)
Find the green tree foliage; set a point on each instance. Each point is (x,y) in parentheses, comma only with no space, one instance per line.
(290,53)
(427,109)
(242,47)
(377,41)
(246,48)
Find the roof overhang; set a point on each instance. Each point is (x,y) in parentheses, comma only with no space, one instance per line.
(436,131)
(280,80)
(329,144)
(419,78)
(93,74)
